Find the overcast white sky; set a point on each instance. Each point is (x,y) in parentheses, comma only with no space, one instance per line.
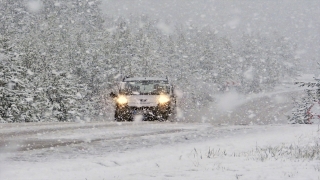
(298,20)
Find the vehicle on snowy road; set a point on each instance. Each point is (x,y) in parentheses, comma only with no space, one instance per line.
(151,97)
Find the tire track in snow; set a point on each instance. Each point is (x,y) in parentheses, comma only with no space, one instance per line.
(33,143)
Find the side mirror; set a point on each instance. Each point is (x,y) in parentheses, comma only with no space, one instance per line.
(113,95)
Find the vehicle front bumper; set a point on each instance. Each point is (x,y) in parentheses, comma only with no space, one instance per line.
(146,111)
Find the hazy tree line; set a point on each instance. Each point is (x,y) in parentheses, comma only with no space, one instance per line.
(59,62)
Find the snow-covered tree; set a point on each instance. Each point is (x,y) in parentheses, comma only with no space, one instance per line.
(55,39)
(264,61)
(64,96)
(15,92)
(302,112)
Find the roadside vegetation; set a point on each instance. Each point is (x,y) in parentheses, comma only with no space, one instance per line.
(300,154)
(307,106)
(290,152)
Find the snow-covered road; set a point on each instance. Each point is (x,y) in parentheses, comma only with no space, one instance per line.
(24,137)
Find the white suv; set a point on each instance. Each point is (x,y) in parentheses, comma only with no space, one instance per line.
(148,96)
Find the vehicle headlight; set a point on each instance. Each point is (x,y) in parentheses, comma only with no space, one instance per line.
(122,100)
(163,99)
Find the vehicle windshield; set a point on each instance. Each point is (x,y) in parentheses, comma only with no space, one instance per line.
(145,88)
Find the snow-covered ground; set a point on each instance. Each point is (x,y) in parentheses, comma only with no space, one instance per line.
(239,148)
(170,151)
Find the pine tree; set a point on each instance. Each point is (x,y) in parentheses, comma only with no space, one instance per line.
(15,94)
(301,112)
(64,97)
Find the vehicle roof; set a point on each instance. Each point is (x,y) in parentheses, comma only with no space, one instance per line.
(145,78)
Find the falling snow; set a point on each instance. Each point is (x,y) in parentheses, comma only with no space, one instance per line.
(241,70)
